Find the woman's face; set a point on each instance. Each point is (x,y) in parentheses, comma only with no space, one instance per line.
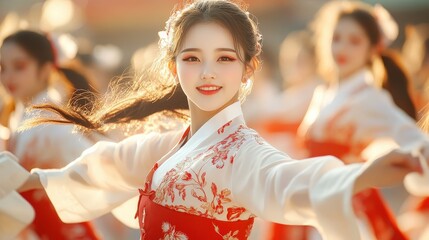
(21,75)
(351,47)
(297,66)
(208,67)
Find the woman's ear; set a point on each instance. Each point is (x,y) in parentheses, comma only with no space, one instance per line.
(248,72)
(375,51)
(45,71)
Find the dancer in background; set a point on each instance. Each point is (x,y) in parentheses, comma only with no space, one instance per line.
(28,71)
(217,174)
(414,215)
(352,113)
(298,66)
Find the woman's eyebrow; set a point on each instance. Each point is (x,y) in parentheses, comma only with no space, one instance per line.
(199,50)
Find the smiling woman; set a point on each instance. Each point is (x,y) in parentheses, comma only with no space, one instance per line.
(209,69)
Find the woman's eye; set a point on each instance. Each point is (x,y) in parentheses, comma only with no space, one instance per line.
(355,41)
(226,59)
(190,59)
(20,67)
(336,38)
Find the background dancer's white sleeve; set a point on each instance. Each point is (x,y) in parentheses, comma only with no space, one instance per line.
(15,212)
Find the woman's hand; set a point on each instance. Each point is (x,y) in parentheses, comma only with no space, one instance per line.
(387,170)
(418,183)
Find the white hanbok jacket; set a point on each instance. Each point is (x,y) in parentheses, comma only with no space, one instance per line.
(358,114)
(224,171)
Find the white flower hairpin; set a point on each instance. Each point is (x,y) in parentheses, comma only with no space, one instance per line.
(164,39)
(166,36)
(388,26)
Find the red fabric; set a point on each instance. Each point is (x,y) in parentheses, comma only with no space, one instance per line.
(277,126)
(289,232)
(423,205)
(48,226)
(159,222)
(369,204)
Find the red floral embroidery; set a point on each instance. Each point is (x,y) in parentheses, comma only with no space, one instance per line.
(187,176)
(222,129)
(188,179)
(235,212)
(223,148)
(216,205)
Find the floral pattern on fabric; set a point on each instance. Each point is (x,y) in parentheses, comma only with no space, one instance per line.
(188,187)
(170,233)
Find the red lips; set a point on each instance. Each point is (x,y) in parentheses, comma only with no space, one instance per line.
(340,59)
(11,88)
(209,89)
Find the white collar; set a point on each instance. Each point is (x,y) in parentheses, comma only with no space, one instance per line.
(361,77)
(216,122)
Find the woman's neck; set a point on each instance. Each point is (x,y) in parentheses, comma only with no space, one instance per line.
(347,76)
(200,117)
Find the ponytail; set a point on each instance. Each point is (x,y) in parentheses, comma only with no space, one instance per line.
(83,94)
(396,83)
(123,107)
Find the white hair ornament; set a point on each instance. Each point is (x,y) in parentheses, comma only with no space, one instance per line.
(388,26)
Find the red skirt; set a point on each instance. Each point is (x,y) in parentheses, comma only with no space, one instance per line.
(159,222)
(47,225)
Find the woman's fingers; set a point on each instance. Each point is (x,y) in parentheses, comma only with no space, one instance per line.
(406,161)
(392,168)
(418,183)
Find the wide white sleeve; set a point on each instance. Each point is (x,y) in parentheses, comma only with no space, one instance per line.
(104,176)
(315,191)
(382,119)
(49,146)
(15,212)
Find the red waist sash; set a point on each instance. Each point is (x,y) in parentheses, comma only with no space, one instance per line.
(276,126)
(159,222)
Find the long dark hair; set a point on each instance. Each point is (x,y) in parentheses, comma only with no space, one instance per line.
(39,47)
(398,82)
(157,84)
(396,78)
